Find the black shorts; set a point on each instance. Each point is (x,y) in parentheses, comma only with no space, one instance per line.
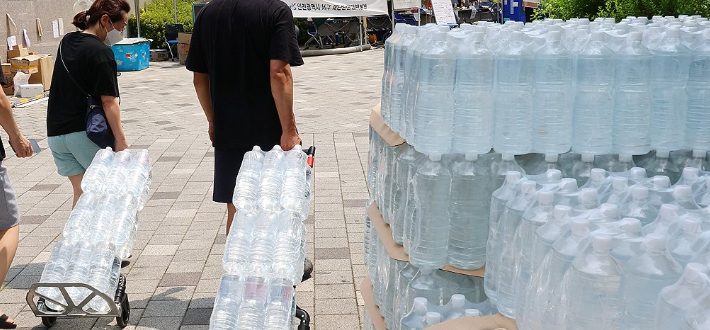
(226,167)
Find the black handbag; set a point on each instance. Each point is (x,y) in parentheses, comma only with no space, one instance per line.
(98,129)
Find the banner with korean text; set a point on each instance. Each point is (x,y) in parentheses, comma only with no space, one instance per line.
(337,8)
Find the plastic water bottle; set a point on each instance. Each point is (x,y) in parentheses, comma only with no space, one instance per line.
(632,99)
(473,97)
(434,103)
(229,297)
(638,207)
(697,124)
(469,213)
(593,104)
(568,193)
(619,191)
(261,259)
(414,320)
(139,177)
(387,77)
(661,165)
(515,71)
(552,106)
(80,218)
(55,271)
(660,191)
(432,318)
(594,288)
(494,244)
(79,267)
(677,300)
(667,221)
(116,179)
(500,165)
(399,78)
(100,275)
(247,189)
(279,311)
(272,180)
(588,203)
(404,277)
(403,174)
(98,171)
(510,221)
(646,275)
(432,188)
(295,194)
(628,244)
(252,310)
(412,62)
(581,171)
(698,160)
(682,248)
(395,266)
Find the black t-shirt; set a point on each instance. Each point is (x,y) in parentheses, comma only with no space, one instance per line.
(233,41)
(2,148)
(93,66)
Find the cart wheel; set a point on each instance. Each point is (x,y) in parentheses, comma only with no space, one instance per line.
(48,321)
(122,320)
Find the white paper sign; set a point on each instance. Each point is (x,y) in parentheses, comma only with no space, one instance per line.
(336,8)
(26,38)
(61,26)
(406,4)
(443,12)
(11,42)
(55,29)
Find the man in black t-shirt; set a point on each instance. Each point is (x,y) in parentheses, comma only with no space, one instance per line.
(241,54)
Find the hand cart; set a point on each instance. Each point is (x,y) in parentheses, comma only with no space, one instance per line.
(119,305)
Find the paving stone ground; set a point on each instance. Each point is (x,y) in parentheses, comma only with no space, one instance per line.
(176,264)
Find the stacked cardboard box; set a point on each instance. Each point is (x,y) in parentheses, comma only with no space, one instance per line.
(183,46)
(39,66)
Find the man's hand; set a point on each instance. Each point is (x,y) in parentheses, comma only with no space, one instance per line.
(22,146)
(121,145)
(290,140)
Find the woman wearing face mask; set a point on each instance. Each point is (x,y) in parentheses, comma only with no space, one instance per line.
(85,65)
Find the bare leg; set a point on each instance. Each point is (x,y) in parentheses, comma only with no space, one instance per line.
(231,211)
(76,185)
(8,246)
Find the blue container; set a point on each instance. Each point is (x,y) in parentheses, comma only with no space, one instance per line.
(132,54)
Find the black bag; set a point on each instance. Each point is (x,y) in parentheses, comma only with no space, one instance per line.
(98,129)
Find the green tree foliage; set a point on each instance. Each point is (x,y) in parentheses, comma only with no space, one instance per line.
(620,9)
(156,14)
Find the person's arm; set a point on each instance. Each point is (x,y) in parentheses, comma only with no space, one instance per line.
(202,88)
(282,91)
(113,115)
(7,121)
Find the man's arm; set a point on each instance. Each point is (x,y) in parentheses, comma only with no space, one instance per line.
(282,91)
(7,121)
(113,116)
(202,88)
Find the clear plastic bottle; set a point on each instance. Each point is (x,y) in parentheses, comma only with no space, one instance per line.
(432,318)
(500,165)
(261,258)
(403,174)
(81,216)
(618,192)
(582,170)
(588,202)
(667,221)
(226,305)
(399,78)
(469,213)
(79,266)
(628,244)
(408,213)
(697,122)
(115,181)
(671,65)
(702,197)
(568,193)
(295,195)
(252,310)
(473,97)
(661,165)
(552,106)
(594,288)
(677,300)
(239,241)
(405,276)
(432,187)
(638,207)
(279,309)
(424,284)
(515,71)
(598,179)
(646,275)
(660,191)
(682,247)
(55,271)
(458,306)
(414,320)
(387,77)
(632,97)
(494,244)
(593,104)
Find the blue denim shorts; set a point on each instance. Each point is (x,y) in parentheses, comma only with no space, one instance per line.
(72,152)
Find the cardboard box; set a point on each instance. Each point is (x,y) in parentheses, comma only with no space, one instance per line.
(9,87)
(182,50)
(159,55)
(45,71)
(17,51)
(396,251)
(28,64)
(378,124)
(31,90)
(465,323)
(184,38)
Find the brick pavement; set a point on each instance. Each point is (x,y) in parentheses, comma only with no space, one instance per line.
(176,263)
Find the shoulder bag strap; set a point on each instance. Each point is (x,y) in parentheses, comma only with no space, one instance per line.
(61,56)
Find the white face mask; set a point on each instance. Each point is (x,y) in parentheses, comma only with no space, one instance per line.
(113,36)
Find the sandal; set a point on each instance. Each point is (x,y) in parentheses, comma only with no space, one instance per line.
(4,324)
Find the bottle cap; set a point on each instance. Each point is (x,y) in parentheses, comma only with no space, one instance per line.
(588,194)
(568,185)
(639,192)
(637,173)
(602,243)
(597,175)
(420,302)
(610,211)
(277,147)
(631,226)
(690,174)
(663,153)
(433,318)
(562,212)
(699,153)
(471,313)
(619,183)
(682,191)
(655,242)
(692,225)
(625,158)
(435,158)
(587,158)
(508,157)
(256,148)
(458,300)
(527,186)
(661,182)
(545,197)
(669,211)
(471,157)
(553,174)
(695,272)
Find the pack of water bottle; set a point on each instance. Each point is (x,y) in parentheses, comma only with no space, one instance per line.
(265,249)
(398,285)
(597,256)
(119,173)
(547,87)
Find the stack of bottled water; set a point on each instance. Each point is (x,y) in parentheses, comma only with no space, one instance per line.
(550,86)
(596,256)
(399,285)
(265,248)
(101,230)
